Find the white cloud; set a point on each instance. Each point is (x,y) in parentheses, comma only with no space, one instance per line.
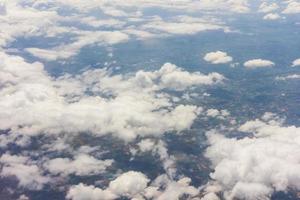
(271,16)
(173,189)
(85,192)
(288,77)
(258,63)
(268,7)
(182,25)
(20,20)
(82,165)
(146,145)
(293,7)
(221,114)
(94,22)
(129,184)
(254,167)
(296,63)
(134,185)
(218,57)
(239,6)
(34,103)
(26,171)
(86,38)
(23,197)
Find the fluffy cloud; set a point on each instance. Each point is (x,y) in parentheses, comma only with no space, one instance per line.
(81,165)
(129,184)
(221,114)
(34,103)
(266,7)
(254,167)
(173,189)
(21,19)
(258,63)
(271,16)
(296,63)
(293,7)
(85,192)
(218,57)
(24,169)
(134,185)
(19,22)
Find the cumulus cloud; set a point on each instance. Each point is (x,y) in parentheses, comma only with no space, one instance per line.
(254,167)
(84,192)
(129,184)
(293,7)
(135,185)
(81,165)
(173,189)
(296,63)
(221,114)
(24,169)
(258,63)
(19,22)
(218,57)
(34,103)
(268,7)
(271,16)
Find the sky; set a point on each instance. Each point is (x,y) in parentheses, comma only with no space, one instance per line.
(149,99)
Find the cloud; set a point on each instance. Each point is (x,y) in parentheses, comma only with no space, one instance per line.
(258,63)
(268,7)
(173,189)
(20,20)
(218,57)
(125,106)
(238,6)
(86,38)
(288,77)
(296,63)
(84,192)
(159,148)
(221,114)
(183,25)
(129,184)
(254,167)
(82,165)
(271,16)
(24,169)
(135,185)
(293,7)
